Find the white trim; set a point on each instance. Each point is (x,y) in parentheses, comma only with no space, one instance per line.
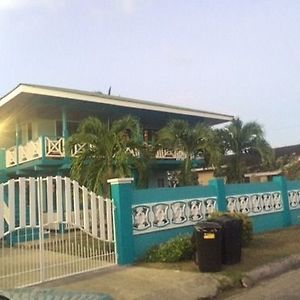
(203,169)
(18,90)
(120,180)
(268,173)
(112,100)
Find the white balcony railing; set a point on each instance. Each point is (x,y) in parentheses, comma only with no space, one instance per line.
(170,154)
(11,157)
(55,148)
(31,151)
(77,149)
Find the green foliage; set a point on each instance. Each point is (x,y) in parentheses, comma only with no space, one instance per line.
(194,141)
(290,166)
(177,249)
(108,151)
(239,140)
(247,226)
(143,164)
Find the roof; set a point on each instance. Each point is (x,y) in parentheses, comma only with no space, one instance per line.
(287,150)
(97,97)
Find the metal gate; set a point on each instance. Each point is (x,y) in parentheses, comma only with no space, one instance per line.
(52,227)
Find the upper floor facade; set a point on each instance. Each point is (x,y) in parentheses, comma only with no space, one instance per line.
(36,121)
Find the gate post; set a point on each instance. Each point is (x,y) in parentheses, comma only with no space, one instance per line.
(121,193)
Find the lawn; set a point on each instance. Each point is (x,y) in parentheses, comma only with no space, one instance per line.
(264,248)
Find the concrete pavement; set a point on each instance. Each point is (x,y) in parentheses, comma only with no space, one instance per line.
(135,282)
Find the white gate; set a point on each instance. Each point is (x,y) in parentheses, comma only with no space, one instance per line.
(52,227)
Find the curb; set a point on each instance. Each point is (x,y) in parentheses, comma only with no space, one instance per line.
(270,270)
(50,294)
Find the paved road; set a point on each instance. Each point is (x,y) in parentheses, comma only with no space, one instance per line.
(284,287)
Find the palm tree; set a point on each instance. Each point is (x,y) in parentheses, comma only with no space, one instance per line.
(143,162)
(240,140)
(109,151)
(193,141)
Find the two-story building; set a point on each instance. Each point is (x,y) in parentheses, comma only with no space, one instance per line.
(36,121)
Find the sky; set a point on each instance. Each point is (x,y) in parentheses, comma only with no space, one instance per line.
(240,58)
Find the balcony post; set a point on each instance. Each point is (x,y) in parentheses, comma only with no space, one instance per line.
(43,147)
(17,141)
(65,133)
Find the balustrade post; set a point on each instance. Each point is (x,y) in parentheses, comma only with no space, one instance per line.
(43,147)
(121,192)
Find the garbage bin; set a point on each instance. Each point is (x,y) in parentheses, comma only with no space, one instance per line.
(231,239)
(208,245)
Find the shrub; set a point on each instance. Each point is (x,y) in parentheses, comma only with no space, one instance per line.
(176,249)
(247,226)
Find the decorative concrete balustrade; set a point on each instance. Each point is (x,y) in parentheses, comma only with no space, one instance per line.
(294,199)
(172,214)
(255,204)
(145,218)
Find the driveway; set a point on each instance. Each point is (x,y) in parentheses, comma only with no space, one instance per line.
(136,282)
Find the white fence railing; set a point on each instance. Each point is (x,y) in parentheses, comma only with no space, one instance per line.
(52,227)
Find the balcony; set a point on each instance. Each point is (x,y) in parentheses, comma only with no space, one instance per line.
(54,148)
(43,147)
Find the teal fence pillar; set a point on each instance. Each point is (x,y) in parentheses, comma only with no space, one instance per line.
(281,181)
(121,193)
(219,186)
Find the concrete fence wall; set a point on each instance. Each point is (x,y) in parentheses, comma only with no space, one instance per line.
(145,218)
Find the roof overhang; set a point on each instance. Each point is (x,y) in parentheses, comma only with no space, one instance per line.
(26,91)
(267,173)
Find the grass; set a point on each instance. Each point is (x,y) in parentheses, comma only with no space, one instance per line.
(263,249)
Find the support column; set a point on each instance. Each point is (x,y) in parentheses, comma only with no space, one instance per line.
(17,140)
(219,185)
(281,181)
(65,133)
(121,193)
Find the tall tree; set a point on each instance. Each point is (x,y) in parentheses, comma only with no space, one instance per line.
(110,151)
(239,140)
(193,141)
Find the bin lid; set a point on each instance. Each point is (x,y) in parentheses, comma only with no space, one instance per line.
(207,226)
